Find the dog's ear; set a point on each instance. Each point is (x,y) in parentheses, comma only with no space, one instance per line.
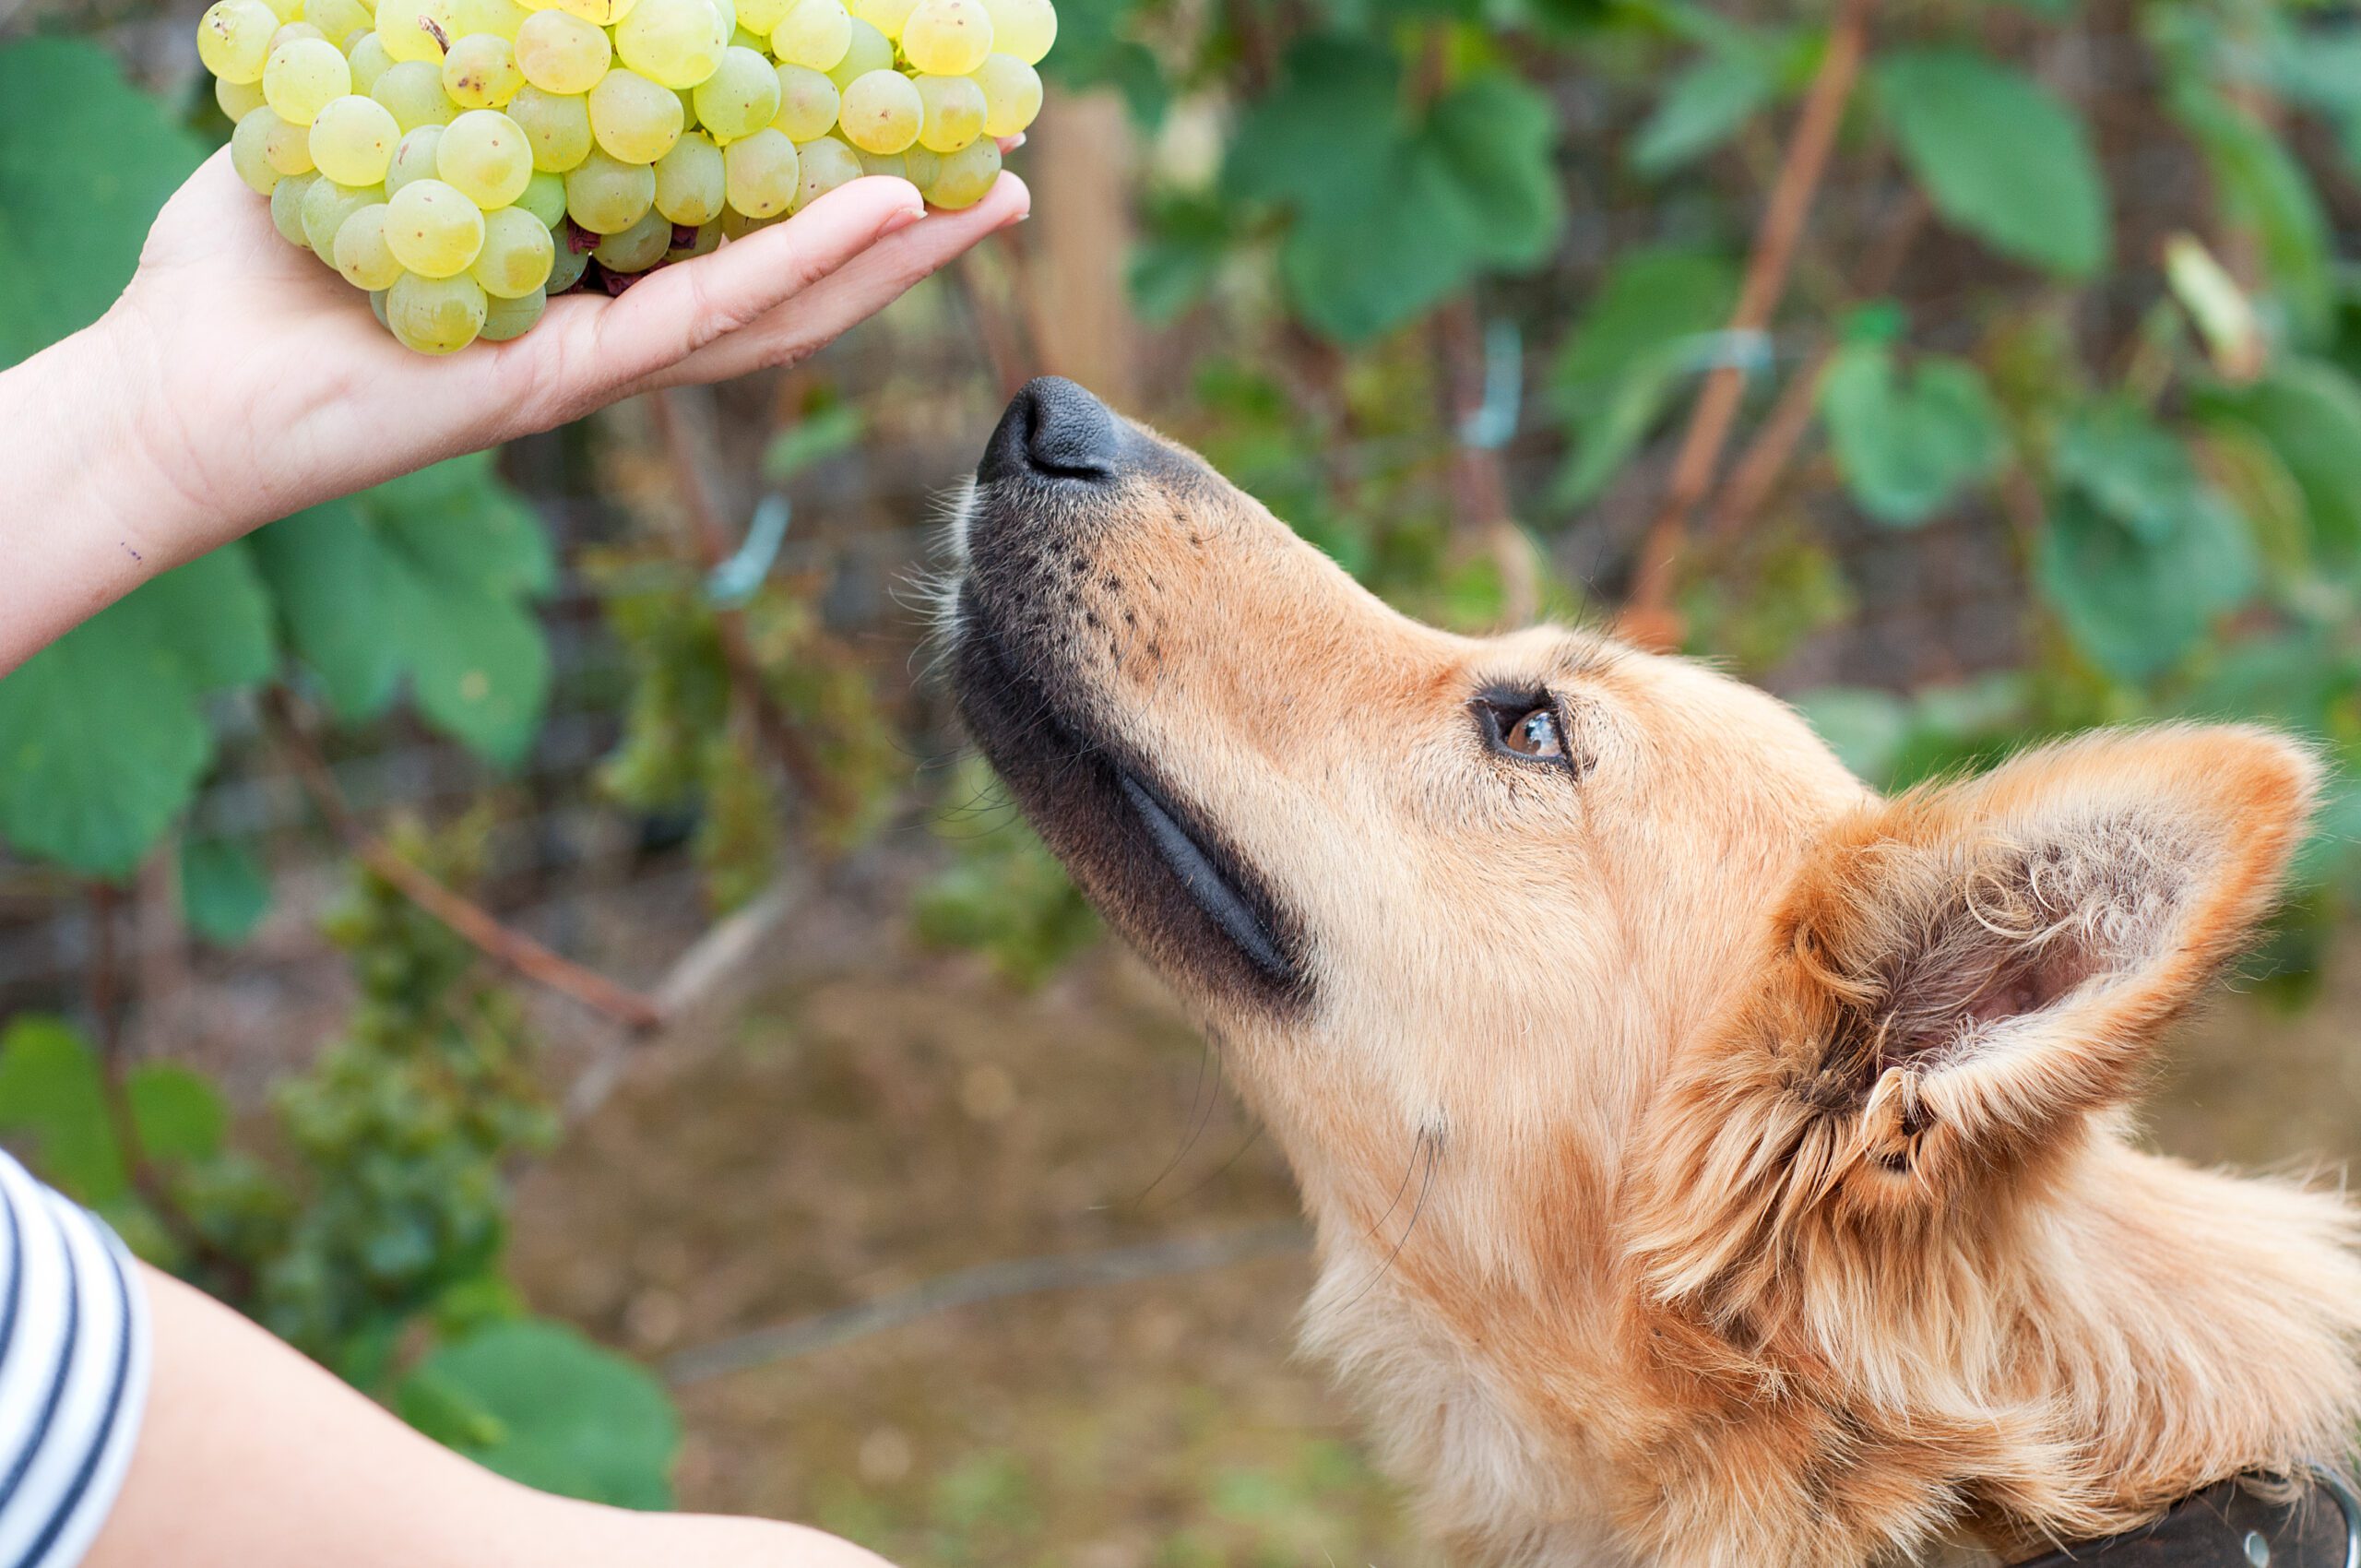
(1977,966)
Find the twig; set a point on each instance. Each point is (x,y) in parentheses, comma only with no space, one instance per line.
(500,942)
(715,545)
(990,1282)
(1648,619)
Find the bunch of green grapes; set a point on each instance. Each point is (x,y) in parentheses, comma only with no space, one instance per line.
(463,161)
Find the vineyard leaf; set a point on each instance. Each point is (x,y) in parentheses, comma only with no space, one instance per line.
(102,741)
(539,1404)
(1708,100)
(2137,606)
(52,1096)
(1494,135)
(86,158)
(1623,361)
(429,577)
(176,1112)
(2309,413)
(1907,445)
(2130,466)
(224,891)
(1999,157)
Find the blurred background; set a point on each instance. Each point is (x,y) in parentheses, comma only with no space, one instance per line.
(532,935)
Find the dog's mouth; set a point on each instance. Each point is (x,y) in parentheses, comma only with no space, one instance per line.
(1157,868)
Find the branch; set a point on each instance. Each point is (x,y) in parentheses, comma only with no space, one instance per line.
(502,944)
(1649,619)
(989,1282)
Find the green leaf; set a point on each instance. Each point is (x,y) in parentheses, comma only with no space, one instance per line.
(1387,216)
(2309,413)
(1704,107)
(1623,361)
(429,578)
(1865,728)
(2136,606)
(2265,190)
(102,741)
(1907,445)
(2128,464)
(539,1404)
(176,1112)
(817,435)
(224,890)
(52,1097)
(86,159)
(1999,156)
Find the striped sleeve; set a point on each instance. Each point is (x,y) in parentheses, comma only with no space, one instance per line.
(74,1355)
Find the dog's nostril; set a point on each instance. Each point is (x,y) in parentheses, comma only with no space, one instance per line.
(1054,427)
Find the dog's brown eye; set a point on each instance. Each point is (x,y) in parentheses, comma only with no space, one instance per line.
(1535,734)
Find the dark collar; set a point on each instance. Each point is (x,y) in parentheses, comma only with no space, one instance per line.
(2238,1524)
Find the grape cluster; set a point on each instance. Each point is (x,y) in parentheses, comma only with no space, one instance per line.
(463,161)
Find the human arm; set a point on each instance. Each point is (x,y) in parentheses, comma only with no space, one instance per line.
(236,380)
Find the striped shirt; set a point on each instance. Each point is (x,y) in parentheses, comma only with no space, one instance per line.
(74,1354)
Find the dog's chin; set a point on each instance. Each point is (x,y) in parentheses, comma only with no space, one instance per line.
(1156,869)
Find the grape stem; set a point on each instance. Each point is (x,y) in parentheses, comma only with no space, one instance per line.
(469,920)
(1648,617)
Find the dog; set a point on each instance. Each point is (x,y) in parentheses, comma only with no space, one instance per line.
(1714,1164)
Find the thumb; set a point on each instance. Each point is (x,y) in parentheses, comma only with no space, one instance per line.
(677,309)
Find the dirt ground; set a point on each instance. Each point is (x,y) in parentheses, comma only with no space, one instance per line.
(859,1133)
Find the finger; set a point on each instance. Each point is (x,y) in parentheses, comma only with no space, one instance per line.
(674,312)
(821,314)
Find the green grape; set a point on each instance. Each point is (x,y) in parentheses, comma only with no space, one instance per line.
(352,140)
(294,30)
(480,71)
(340,21)
(368,61)
(739,98)
(760,42)
(435,316)
(633,118)
(814,33)
(606,196)
(866,49)
(326,207)
(728,11)
(501,19)
(965,176)
(762,17)
(416,30)
(415,156)
(954,112)
(360,252)
(706,241)
(413,90)
(947,38)
(808,103)
(922,166)
(688,110)
(762,173)
(303,78)
(887,17)
(286,207)
(605,13)
(826,163)
(434,230)
(567,270)
(237,100)
(1012,94)
(507,319)
(637,248)
(485,157)
(516,257)
(377,306)
(286,10)
(233,39)
(544,198)
(676,43)
(883,112)
(249,155)
(736,225)
(562,55)
(887,165)
(690,182)
(558,124)
(1024,29)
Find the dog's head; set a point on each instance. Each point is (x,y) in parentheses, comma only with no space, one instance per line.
(1605,948)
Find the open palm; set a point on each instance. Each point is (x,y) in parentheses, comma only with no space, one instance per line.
(272,388)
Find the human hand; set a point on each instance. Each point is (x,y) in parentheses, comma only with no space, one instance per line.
(237,380)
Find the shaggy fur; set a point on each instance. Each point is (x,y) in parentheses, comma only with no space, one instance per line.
(1714,1165)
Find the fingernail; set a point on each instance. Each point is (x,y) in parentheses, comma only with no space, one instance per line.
(902,219)
(1016,141)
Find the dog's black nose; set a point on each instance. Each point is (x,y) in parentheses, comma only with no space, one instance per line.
(1055,428)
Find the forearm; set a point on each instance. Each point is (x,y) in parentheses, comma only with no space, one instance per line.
(250,1456)
(82,505)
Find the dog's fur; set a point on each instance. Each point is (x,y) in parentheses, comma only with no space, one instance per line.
(1713,1163)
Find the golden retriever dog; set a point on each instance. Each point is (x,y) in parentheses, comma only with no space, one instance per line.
(1713,1162)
